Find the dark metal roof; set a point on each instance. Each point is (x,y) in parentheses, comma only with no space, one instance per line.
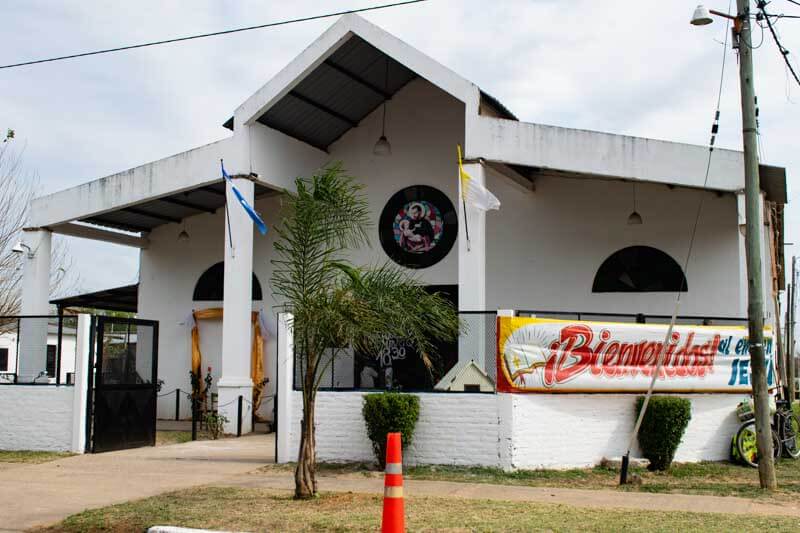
(169,209)
(338,94)
(118,299)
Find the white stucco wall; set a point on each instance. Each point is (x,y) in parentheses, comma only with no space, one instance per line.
(37,417)
(514,431)
(423,125)
(544,246)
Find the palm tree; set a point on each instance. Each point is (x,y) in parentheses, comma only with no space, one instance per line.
(337,305)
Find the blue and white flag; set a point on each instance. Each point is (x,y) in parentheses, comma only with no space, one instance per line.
(250,211)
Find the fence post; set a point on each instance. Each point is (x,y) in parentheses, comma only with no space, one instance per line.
(239,416)
(177,404)
(194,419)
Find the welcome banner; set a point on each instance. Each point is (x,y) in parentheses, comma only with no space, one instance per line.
(548,355)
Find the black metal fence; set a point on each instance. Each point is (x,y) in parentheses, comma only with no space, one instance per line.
(38,350)
(398,367)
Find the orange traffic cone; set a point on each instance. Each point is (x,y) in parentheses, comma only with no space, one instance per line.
(394,520)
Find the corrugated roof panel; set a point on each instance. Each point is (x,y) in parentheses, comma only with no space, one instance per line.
(337,94)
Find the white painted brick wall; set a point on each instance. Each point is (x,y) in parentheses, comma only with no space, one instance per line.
(452,429)
(571,430)
(36,417)
(515,430)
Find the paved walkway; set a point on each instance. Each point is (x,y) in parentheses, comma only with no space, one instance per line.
(604,499)
(33,495)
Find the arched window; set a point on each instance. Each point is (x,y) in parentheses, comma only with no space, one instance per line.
(639,269)
(211,285)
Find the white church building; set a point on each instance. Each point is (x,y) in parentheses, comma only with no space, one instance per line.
(564,243)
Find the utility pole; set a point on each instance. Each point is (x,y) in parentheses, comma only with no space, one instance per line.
(755,282)
(790,304)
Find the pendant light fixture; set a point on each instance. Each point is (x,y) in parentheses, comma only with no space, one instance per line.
(382,147)
(634,219)
(183,236)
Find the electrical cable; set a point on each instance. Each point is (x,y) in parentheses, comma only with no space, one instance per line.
(667,337)
(212,34)
(784,52)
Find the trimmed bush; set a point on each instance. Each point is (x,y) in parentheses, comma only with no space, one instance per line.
(389,412)
(662,428)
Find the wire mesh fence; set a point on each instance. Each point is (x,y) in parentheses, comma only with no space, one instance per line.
(38,350)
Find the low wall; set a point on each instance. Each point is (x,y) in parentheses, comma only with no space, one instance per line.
(573,430)
(512,431)
(37,417)
(459,429)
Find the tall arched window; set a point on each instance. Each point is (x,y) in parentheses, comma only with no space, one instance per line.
(639,269)
(211,285)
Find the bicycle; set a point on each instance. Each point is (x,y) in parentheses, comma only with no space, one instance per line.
(785,434)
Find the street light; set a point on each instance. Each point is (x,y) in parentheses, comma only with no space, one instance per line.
(701,16)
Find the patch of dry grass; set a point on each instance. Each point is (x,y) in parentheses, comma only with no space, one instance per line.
(31,457)
(268,510)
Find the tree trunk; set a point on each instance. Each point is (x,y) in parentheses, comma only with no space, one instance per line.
(305,478)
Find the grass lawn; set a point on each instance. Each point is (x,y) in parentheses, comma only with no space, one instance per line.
(711,478)
(240,509)
(30,457)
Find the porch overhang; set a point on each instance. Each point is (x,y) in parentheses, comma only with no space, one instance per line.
(124,299)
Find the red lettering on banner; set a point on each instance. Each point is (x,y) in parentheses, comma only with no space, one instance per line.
(572,355)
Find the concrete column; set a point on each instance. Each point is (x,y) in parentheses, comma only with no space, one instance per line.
(237,332)
(81,392)
(472,274)
(285,390)
(35,301)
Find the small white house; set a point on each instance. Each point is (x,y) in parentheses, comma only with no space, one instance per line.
(47,374)
(561,242)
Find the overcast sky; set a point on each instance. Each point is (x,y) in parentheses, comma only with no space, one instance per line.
(630,67)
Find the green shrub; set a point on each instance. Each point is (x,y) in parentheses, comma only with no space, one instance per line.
(662,428)
(389,412)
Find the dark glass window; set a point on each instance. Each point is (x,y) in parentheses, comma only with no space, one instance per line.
(639,269)
(51,360)
(3,359)
(211,285)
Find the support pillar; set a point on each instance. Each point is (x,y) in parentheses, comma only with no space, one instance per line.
(285,424)
(35,301)
(472,274)
(237,334)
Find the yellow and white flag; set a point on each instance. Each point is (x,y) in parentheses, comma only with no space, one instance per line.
(472,192)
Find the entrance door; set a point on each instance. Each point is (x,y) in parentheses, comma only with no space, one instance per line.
(123,413)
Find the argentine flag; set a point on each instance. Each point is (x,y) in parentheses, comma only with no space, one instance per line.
(250,211)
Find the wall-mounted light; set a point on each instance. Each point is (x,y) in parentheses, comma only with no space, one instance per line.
(21,247)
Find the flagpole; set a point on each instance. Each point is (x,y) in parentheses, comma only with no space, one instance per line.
(227,214)
(466,223)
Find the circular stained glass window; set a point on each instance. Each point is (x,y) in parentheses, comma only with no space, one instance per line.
(418,226)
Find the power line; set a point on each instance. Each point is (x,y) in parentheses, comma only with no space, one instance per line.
(784,52)
(213,34)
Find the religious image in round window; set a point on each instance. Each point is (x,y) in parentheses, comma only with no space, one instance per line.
(418,226)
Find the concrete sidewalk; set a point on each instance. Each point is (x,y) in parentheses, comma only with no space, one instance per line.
(34,495)
(603,499)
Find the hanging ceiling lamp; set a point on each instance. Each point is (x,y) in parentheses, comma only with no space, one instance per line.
(634,219)
(382,147)
(183,236)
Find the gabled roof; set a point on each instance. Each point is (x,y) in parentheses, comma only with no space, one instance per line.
(342,77)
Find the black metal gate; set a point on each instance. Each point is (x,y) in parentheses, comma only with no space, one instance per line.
(122,413)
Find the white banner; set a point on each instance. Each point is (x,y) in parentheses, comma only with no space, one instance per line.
(548,355)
